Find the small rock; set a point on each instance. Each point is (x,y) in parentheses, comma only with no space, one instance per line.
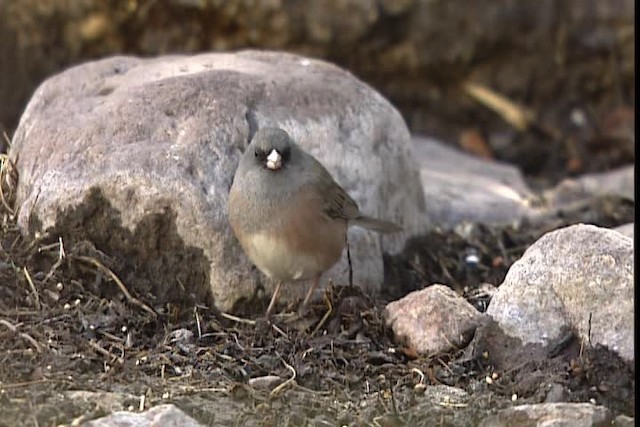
(555,394)
(623,421)
(619,182)
(158,416)
(550,415)
(578,278)
(267,382)
(433,320)
(445,395)
(182,336)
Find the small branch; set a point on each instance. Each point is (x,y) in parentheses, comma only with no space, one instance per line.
(33,287)
(13,328)
(278,389)
(23,384)
(237,319)
(325,317)
(94,345)
(133,300)
(517,116)
(58,263)
(419,372)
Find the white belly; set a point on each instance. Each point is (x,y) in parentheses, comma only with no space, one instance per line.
(275,259)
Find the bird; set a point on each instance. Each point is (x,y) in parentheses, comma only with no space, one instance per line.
(288,213)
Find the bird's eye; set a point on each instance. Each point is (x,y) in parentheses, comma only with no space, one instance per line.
(286,154)
(260,155)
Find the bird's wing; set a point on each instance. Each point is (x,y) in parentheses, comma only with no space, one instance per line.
(336,203)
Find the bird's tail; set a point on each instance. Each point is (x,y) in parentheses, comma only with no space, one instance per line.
(378,225)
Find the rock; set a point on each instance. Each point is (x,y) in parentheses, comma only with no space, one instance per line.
(138,155)
(623,421)
(446,395)
(433,320)
(266,382)
(556,393)
(102,401)
(626,230)
(619,182)
(463,188)
(158,416)
(550,415)
(578,278)
(180,336)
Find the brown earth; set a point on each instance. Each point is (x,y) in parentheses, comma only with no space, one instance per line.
(66,325)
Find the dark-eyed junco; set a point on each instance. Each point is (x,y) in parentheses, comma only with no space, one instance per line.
(288,213)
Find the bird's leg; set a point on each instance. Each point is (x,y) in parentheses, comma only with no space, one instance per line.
(274,300)
(307,298)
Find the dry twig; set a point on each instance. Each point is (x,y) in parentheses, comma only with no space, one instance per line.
(36,296)
(517,116)
(13,328)
(278,389)
(133,300)
(94,345)
(237,319)
(58,263)
(325,317)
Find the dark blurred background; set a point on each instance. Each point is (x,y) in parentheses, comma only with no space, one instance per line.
(566,65)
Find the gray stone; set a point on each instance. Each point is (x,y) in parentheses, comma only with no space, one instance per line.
(555,394)
(578,278)
(550,415)
(433,320)
(446,395)
(138,155)
(623,421)
(159,416)
(266,382)
(619,182)
(463,188)
(102,400)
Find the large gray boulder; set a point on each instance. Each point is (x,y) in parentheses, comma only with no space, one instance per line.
(579,278)
(138,155)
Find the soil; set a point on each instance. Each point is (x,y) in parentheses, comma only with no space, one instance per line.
(70,353)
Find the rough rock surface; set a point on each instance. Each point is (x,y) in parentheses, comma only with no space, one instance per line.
(158,416)
(138,155)
(433,320)
(460,187)
(550,415)
(578,278)
(619,182)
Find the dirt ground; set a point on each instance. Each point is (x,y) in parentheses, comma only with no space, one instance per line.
(69,353)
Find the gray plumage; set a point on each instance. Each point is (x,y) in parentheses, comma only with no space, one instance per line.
(288,213)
